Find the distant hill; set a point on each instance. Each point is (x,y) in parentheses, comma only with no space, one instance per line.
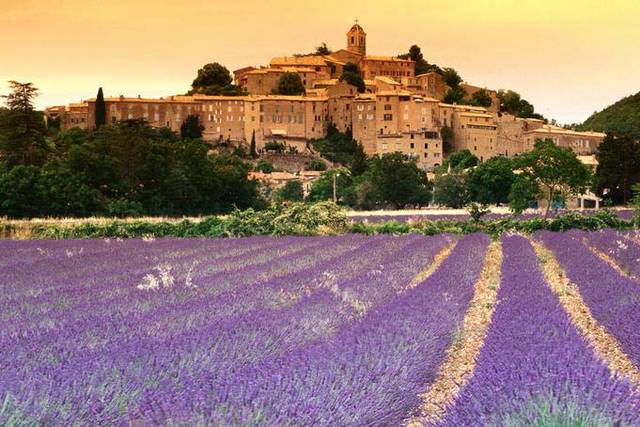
(623,117)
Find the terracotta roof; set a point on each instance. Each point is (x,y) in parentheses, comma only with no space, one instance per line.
(299,60)
(489,116)
(550,129)
(387,80)
(385,58)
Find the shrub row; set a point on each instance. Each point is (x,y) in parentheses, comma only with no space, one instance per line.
(323,218)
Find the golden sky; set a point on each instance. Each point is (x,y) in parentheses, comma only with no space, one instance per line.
(568,57)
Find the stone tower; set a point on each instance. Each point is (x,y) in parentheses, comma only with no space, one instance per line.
(357,39)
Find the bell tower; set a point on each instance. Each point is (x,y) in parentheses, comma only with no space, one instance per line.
(357,39)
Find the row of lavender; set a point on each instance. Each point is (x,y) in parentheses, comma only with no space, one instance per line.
(612,298)
(534,367)
(201,331)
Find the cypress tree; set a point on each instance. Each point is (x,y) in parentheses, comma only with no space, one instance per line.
(254,152)
(101,110)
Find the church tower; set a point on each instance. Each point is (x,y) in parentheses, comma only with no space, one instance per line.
(357,39)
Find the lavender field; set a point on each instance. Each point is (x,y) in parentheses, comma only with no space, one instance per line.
(343,330)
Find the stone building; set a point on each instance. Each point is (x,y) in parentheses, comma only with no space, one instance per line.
(399,111)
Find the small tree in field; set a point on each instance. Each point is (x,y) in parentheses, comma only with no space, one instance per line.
(557,171)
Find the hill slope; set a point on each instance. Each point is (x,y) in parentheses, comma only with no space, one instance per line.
(623,117)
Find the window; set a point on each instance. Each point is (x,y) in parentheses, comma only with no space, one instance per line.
(387,107)
(388,117)
(426,155)
(426,146)
(411,145)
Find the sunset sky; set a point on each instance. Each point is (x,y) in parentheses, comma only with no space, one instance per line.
(567,57)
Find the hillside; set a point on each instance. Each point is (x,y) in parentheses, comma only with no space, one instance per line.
(623,117)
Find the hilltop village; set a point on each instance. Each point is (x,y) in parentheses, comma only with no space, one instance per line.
(395,110)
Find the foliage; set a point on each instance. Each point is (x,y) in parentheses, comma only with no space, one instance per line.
(317,165)
(512,103)
(618,167)
(264,166)
(451,77)
(421,64)
(337,147)
(323,49)
(621,119)
(450,190)
(290,84)
(275,146)
(191,127)
(390,179)
(522,194)
(446,133)
(489,183)
(352,75)
(477,211)
(100,110)
(636,203)
(291,191)
(252,147)
(459,161)
(22,129)
(214,79)
(481,98)
(557,170)
(322,188)
(455,95)
(359,162)
(128,163)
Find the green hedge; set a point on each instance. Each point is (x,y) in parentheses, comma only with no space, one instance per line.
(323,218)
(495,227)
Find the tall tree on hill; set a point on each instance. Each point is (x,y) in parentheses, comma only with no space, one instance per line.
(101,110)
(22,129)
(290,84)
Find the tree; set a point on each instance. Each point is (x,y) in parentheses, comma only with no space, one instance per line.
(455,95)
(215,79)
(291,191)
(481,98)
(460,160)
(557,171)
(22,129)
(450,190)
(451,77)
(421,64)
(290,84)
(522,194)
(191,127)
(213,74)
(264,166)
(101,110)
(323,49)
(618,167)
(338,147)
(252,147)
(620,119)
(490,182)
(446,133)
(512,103)
(359,162)
(322,188)
(317,165)
(397,181)
(351,74)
